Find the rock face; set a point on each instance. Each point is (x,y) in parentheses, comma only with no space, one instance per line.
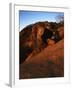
(41,50)
(25,43)
(34,38)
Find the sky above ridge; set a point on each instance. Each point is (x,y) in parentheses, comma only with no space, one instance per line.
(30,17)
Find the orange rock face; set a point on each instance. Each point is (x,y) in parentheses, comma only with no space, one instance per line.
(41,51)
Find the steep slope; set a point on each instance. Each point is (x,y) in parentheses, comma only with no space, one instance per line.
(48,63)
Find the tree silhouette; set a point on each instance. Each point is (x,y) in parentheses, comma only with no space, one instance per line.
(60,18)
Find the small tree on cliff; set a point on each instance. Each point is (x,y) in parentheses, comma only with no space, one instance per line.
(60,19)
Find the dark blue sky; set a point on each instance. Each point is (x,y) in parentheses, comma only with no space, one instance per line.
(29,17)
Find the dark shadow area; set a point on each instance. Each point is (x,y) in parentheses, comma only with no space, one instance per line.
(46,35)
(23,53)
